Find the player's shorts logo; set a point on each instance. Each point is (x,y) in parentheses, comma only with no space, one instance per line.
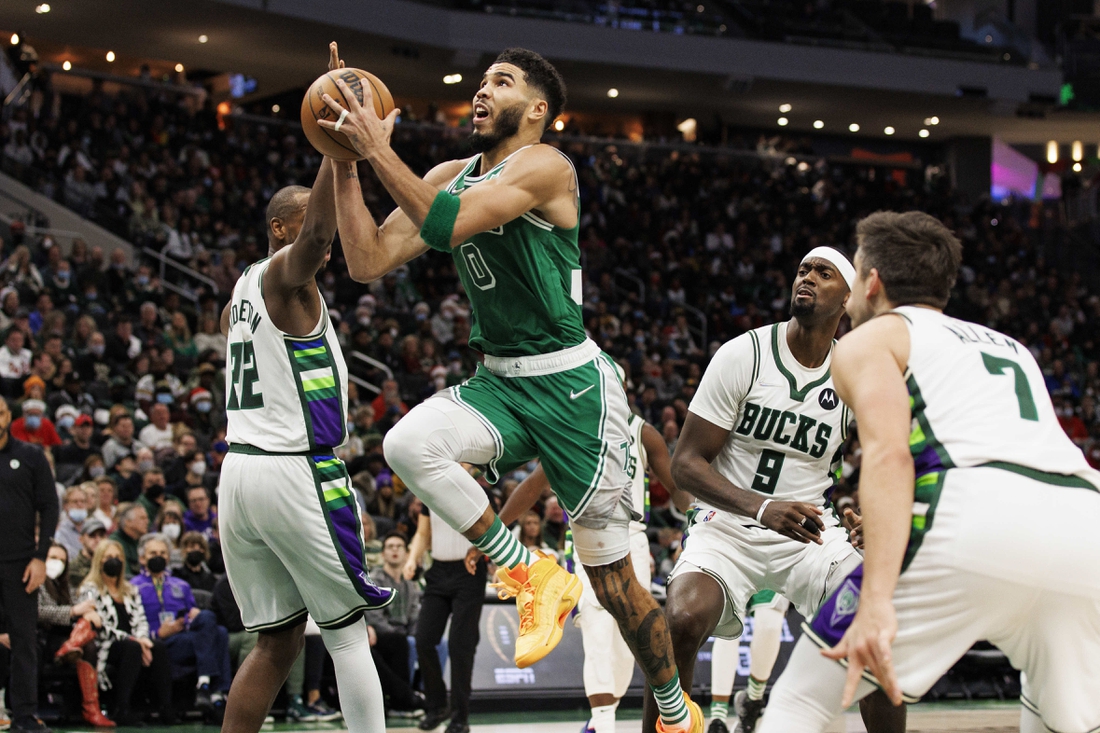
(847,603)
(709,516)
(828,399)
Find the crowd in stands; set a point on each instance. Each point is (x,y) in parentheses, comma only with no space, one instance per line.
(119,375)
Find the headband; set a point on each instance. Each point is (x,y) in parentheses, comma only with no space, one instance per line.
(837,259)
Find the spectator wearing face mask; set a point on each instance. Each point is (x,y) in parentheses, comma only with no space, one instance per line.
(192,635)
(169,522)
(201,415)
(158,433)
(194,477)
(128,479)
(122,441)
(125,646)
(200,515)
(34,427)
(74,511)
(91,535)
(67,631)
(194,570)
(153,494)
(64,420)
(149,388)
(78,447)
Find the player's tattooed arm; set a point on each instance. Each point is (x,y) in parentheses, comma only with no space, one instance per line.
(699,444)
(640,620)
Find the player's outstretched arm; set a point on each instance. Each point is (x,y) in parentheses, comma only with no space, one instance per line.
(699,444)
(370,250)
(535,178)
(296,265)
(867,370)
(660,466)
(524,496)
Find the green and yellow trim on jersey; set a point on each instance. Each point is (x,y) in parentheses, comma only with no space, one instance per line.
(315,375)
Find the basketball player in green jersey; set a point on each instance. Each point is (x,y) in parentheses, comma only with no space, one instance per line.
(509,216)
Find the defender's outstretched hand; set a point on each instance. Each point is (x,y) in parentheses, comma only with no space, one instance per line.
(365,131)
(334,61)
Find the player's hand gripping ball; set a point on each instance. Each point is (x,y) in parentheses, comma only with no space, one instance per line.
(331,140)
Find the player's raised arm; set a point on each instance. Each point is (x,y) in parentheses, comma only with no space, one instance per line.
(536,178)
(867,373)
(296,266)
(371,250)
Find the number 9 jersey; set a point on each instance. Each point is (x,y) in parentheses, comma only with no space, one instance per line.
(285,394)
(786,422)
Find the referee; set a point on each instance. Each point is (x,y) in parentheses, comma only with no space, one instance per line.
(454,586)
(26,494)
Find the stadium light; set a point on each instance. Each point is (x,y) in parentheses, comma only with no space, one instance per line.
(203,38)
(15,39)
(854,127)
(924,133)
(782,122)
(1078,151)
(68,65)
(1076,167)
(612,92)
(889,130)
(452,78)
(1052,152)
(275,108)
(43,8)
(818,124)
(559,125)
(784,108)
(179,68)
(110,57)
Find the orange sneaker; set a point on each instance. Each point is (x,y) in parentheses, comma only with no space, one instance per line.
(545,593)
(697,720)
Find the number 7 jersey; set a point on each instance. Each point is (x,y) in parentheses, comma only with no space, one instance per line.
(978,398)
(284,394)
(785,421)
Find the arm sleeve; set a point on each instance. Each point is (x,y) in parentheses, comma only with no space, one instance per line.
(45,495)
(726,382)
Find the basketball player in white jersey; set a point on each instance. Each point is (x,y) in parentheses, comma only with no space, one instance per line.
(979,514)
(290,528)
(608,661)
(760,450)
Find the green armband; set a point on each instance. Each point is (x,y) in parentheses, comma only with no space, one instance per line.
(439,225)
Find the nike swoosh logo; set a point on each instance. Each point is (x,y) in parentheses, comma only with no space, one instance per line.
(574,395)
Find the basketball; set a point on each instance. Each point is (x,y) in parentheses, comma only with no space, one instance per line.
(329,142)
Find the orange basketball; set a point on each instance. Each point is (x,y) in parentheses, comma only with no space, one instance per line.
(329,142)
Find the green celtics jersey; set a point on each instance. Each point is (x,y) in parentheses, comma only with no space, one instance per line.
(523,280)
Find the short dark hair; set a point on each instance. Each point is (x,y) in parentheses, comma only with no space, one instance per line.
(916,256)
(285,202)
(399,535)
(540,74)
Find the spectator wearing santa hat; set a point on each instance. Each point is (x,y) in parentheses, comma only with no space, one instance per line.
(201,415)
(35,427)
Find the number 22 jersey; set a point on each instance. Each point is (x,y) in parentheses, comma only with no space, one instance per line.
(284,394)
(786,422)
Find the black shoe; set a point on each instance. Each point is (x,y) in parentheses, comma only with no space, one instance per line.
(128,719)
(458,726)
(434,718)
(29,724)
(203,700)
(167,718)
(748,712)
(718,726)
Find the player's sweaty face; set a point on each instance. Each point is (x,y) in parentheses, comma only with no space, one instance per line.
(818,287)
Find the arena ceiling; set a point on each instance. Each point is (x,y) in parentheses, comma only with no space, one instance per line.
(286,53)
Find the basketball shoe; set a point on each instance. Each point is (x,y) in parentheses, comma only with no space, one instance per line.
(748,711)
(697,719)
(545,593)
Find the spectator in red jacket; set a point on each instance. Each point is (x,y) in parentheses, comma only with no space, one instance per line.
(35,427)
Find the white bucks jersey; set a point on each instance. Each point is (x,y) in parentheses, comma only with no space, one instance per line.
(786,423)
(284,394)
(637,468)
(978,398)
